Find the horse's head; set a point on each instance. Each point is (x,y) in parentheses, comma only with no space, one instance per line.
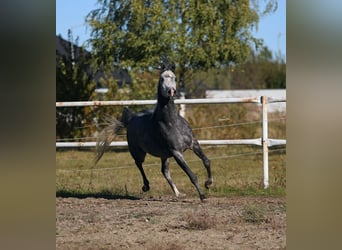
(167,84)
(167,81)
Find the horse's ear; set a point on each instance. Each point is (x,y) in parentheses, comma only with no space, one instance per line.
(165,64)
(173,66)
(162,67)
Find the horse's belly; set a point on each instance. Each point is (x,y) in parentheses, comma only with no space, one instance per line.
(157,150)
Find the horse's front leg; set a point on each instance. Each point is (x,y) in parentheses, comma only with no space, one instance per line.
(193,178)
(166,172)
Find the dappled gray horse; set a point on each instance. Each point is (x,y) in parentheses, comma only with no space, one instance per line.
(162,133)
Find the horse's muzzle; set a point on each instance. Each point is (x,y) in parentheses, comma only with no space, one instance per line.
(171,92)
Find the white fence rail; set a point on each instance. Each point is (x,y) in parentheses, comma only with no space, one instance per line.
(264,141)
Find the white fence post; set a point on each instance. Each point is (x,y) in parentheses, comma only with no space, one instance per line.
(182,106)
(265,140)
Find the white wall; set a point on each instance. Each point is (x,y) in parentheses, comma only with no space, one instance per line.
(272,107)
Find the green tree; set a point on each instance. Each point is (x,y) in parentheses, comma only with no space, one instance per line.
(196,34)
(73,83)
(142,87)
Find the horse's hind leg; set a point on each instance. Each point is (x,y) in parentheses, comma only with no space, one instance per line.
(166,172)
(139,157)
(146,186)
(206,162)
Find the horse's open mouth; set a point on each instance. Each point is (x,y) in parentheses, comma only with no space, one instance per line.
(172,92)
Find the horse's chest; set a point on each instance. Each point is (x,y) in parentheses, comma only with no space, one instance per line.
(168,129)
(174,135)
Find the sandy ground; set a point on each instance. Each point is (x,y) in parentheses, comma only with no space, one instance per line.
(217,223)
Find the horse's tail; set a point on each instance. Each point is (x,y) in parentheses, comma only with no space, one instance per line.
(108,134)
(105,137)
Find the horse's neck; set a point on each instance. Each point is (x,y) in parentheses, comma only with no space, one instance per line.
(166,111)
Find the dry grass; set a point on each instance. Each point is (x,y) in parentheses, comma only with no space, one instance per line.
(118,174)
(200,220)
(237,170)
(234,173)
(255,214)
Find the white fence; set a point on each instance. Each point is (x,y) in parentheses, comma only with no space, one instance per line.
(264,141)
(275,107)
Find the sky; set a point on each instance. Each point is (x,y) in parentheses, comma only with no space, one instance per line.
(70,14)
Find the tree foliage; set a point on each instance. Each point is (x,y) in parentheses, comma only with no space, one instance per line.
(196,34)
(142,87)
(260,71)
(73,83)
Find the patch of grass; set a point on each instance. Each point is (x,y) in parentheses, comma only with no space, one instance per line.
(254,214)
(199,221)
(248,191)
(237,170)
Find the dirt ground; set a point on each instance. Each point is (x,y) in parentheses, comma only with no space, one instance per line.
(217,223)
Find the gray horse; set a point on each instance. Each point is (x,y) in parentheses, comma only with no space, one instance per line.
(161,132)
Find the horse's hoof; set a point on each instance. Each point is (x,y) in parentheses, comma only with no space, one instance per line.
(202,197)
(145,188)
(181,196)
(208,183)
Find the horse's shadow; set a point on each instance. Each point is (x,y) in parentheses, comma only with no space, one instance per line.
(98,195)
